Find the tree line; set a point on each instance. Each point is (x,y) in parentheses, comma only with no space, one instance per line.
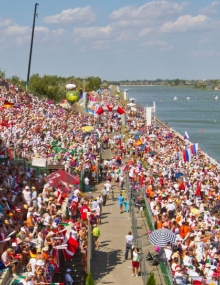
(53,86)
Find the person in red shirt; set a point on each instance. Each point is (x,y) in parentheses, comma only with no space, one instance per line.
(83,211)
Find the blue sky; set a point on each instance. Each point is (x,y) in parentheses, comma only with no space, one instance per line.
(115,40)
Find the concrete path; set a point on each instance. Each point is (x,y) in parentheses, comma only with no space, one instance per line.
(108,263)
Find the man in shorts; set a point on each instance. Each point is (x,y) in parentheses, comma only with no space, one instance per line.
(96,235)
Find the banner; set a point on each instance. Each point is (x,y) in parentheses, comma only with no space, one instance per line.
(40,162)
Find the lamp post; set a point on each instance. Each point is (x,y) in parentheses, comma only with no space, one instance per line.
(31,47)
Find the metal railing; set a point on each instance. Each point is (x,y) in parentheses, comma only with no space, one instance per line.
(137,239)
(165,266)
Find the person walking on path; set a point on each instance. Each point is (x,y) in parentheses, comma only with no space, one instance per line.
(96,235)
(135,262)
(129,244)
(68,279)
(120,202)
(87,186)
(108,187)
(121,181)
(104,195)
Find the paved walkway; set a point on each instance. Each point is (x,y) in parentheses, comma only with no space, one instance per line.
(108,263)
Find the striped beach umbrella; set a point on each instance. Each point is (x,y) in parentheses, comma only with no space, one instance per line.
(162,237)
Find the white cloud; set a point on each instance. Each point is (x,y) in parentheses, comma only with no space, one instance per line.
(5,22)
(161,45)
(151,10)
(80,15)
(59,32)
(41,29)
(186,23)
(144,32)
(93,32)
(16,30)
(205,53)
(213,8)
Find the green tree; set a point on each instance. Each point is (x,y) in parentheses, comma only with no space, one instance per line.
(89,279)
(151,280)
(93,83)
(15,80)
(2,74)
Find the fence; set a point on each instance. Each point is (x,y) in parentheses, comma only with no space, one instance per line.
(137,241)
(165,266)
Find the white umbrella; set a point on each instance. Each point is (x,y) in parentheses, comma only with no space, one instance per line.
(131,104)
(132,99)
(162,237)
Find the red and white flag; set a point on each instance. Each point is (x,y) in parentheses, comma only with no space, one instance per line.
(59,197)
(72,246)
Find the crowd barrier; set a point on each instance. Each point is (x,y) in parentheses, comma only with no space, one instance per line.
(137,241)
(164,265)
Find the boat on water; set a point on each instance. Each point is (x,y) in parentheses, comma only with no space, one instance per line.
(175,98)
(188,98)
(216,97)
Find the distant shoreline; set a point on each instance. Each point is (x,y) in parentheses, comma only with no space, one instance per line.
(138,85)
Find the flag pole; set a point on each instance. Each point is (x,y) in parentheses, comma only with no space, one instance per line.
(31,47)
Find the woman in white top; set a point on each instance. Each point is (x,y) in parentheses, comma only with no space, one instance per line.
(135,262)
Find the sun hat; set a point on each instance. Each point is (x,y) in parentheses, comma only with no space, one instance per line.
(40,262)
(30,274)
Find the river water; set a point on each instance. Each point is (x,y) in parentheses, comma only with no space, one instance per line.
(199,115)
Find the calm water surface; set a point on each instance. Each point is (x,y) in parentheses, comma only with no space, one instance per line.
(199,116)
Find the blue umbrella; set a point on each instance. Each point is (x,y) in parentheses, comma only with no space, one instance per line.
(178,175)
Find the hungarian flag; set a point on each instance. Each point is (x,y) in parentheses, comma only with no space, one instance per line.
(72,246)
(8,104)
(2,155)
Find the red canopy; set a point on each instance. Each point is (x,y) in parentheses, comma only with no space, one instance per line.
(61,177)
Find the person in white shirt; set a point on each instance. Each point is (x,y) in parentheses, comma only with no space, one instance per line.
(98,214)
(121,181)
(87,187)
(129,244)
(100,201)
(108,188)
(32,264)
(170,208)
(178,276)
(27,195)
